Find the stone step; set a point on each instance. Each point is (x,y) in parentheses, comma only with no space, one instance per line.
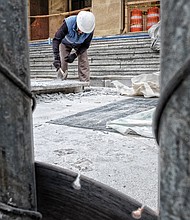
(96,80)
(96,72)
(100,47)
(96,62)
(103,67)
(106,39)
(100,41)
(103,52)
(108,55)
(99,50)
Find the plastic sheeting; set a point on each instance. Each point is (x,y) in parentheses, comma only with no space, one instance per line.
(146,85)
(138,124)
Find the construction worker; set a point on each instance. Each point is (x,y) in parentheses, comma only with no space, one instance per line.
(75,33)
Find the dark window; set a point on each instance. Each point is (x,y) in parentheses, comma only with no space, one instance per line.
(79,4)
(39,27)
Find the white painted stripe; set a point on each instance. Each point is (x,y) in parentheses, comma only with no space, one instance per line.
(152,15)
(136,17)
(136,26)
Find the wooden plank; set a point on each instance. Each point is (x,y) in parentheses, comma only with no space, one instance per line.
(140,2)
(64,13)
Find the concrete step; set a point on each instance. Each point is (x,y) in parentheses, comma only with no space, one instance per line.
(100,61)
(99,47)
(110,60)
(104,67)
(107,55)
(101,43)
(96,72)
(102,52)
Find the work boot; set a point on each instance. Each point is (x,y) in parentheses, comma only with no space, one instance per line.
(61,75)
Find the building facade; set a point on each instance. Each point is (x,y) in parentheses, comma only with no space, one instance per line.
(113,17)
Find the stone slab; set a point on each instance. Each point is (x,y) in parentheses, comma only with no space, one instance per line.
(53,86)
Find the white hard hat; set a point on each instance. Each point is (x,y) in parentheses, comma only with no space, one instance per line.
(86,21)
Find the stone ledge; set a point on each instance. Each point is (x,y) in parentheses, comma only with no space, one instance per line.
(53,86)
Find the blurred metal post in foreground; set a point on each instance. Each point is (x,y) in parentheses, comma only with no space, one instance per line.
(172,118)
(17,182)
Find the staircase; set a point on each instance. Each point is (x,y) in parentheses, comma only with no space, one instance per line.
(110,58)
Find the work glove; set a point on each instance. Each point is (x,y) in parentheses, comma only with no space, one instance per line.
(57,64)
(70,58)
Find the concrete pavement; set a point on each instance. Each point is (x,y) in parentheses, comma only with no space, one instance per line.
(129,164)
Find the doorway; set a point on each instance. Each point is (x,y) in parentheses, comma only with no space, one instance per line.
(39,27)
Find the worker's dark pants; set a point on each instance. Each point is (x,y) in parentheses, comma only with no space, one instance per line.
(83,64)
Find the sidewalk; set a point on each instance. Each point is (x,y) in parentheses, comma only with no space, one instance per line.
(126,163)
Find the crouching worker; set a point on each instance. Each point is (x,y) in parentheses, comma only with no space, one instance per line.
(75,33)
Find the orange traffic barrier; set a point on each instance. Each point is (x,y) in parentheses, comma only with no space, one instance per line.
(136,22)
(152,16)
